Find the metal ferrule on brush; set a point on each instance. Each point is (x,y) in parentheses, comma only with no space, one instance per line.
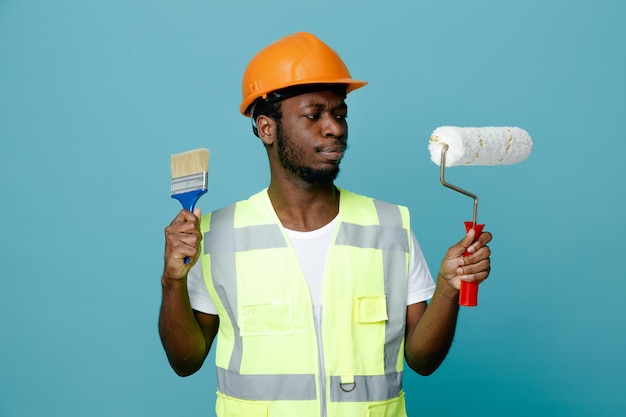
(199,181)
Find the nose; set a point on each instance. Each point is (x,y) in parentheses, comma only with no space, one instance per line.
(334,127)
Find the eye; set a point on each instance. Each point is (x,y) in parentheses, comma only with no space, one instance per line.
(313,116)
(341,116)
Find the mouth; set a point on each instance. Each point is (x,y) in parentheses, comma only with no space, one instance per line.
(333,154)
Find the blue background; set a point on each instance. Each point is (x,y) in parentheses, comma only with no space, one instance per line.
(95,96)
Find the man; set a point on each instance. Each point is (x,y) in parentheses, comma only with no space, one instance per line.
(318,294)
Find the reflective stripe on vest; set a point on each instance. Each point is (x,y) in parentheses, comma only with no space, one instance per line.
(223,241)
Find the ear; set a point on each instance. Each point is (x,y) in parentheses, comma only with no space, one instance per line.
(266,127)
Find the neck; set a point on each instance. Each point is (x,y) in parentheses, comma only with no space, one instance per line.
(304,207)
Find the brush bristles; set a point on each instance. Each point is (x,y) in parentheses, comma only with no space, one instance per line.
(190,162)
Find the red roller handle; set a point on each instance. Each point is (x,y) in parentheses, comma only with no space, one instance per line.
(468,295)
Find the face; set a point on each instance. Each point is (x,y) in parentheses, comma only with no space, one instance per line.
(312,135)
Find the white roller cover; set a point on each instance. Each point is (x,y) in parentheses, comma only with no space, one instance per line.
(480,145)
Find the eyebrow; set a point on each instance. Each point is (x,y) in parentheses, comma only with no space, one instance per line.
(320,106)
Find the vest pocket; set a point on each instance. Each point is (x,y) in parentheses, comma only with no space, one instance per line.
(371,309)
(363,343)
(390,408)
(226,406)
(274,318)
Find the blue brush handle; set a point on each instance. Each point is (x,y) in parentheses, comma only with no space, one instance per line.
(189,200)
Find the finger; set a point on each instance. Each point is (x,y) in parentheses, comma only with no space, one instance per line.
(185,222)
(186,249)
(185,232)
(477,255)
(183,216)
(468,269)
(182,245)
(482,240)
(478,277)
(461,247)
(475,272)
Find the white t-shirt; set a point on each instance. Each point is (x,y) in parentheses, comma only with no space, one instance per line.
(310,247)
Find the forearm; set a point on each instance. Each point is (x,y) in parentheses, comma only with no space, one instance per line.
(181,334)
(427,345)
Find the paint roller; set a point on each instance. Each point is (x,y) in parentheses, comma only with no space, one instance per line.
(453,146)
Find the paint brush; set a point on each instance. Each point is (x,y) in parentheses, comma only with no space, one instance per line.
(190,176)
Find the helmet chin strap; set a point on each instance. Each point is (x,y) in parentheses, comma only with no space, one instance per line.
(255,130)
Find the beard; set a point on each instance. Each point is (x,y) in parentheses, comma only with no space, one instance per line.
(290,157)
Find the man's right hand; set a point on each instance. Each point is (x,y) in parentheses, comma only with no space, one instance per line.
(182,240)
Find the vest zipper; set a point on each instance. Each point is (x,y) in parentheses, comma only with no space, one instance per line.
(321,367)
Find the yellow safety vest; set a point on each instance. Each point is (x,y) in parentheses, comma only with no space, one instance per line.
(267,356)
